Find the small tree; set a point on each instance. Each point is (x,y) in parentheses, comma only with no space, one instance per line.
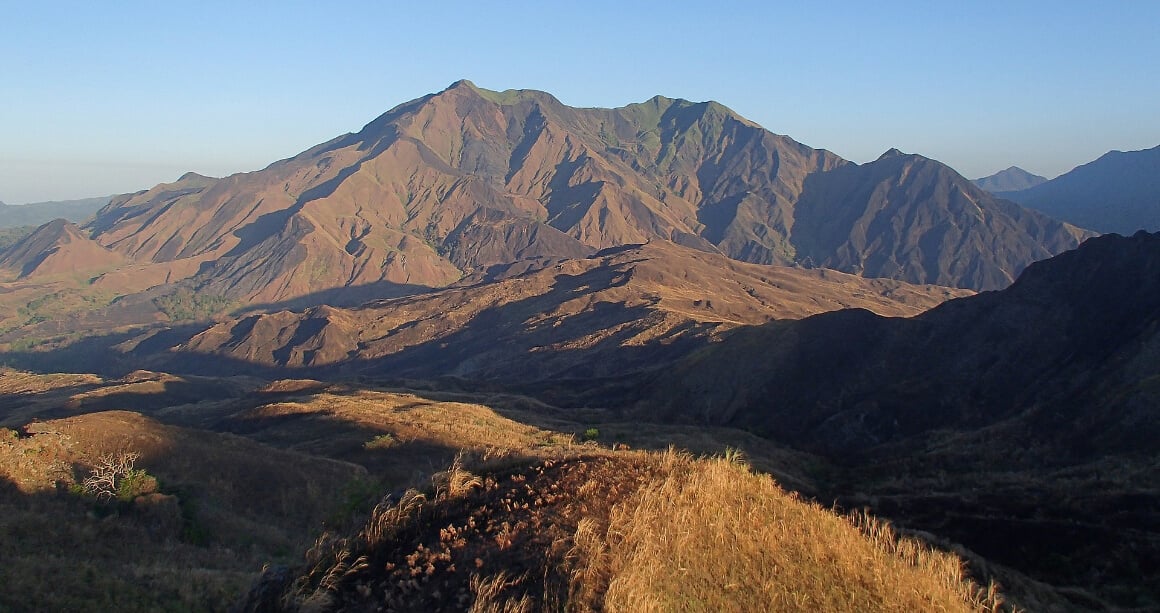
(114,477)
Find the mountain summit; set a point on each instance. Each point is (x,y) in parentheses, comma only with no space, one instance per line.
(455,182)
(1009,180)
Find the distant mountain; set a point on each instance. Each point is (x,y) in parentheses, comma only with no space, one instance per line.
(453,183)
(38,213)
(909,217)
(1009,180)
(1119,192)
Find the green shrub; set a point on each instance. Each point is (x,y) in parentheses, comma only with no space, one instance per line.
(381,441)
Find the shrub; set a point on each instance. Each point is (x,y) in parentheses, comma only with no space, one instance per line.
(591,434)
(115,478)
(382,441)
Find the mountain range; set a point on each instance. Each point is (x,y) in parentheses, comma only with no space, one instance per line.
(1119,192)
(452,183)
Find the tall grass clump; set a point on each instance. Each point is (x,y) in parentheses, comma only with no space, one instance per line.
(711,535)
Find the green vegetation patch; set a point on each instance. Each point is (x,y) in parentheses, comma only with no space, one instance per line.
(185,305)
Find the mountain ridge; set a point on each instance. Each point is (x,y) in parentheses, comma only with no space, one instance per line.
(1118,192)
(455,182)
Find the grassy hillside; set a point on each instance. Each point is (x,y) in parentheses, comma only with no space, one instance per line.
(619,531)
(241,474)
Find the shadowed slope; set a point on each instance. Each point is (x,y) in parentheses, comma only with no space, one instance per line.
(627,308)
(1043,394)
(1119,192)
(912,218)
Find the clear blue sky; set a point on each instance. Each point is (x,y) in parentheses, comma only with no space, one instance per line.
(104,97)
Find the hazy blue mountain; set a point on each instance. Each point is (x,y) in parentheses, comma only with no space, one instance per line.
(38,213)
(1012,179)
(1119,192)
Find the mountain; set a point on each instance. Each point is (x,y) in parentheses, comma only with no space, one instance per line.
(1034,393)
(55,248)
(1119,192)
(38,213)
(909,217)
(1010,180)
(453,183)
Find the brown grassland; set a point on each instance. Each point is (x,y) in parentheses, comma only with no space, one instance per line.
(621,531)
(250,474)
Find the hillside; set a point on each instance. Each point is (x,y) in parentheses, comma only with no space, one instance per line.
(242,473)
(1119,192)
(618,311)
(1034,393)
(57,247)
(616,532)
(1009,180)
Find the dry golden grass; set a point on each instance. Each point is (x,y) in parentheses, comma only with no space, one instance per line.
(649,532)
(714,536)
(569,526)
(234,505)
(409,418)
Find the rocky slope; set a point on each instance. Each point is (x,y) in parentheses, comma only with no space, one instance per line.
(909,217)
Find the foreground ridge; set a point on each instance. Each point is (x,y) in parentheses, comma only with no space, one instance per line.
(618,531)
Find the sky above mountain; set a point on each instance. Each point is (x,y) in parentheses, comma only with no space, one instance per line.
(102,98)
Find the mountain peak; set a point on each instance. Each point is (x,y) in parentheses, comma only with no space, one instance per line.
(891,153)
(465,88)
(1012,179)
(462,84)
